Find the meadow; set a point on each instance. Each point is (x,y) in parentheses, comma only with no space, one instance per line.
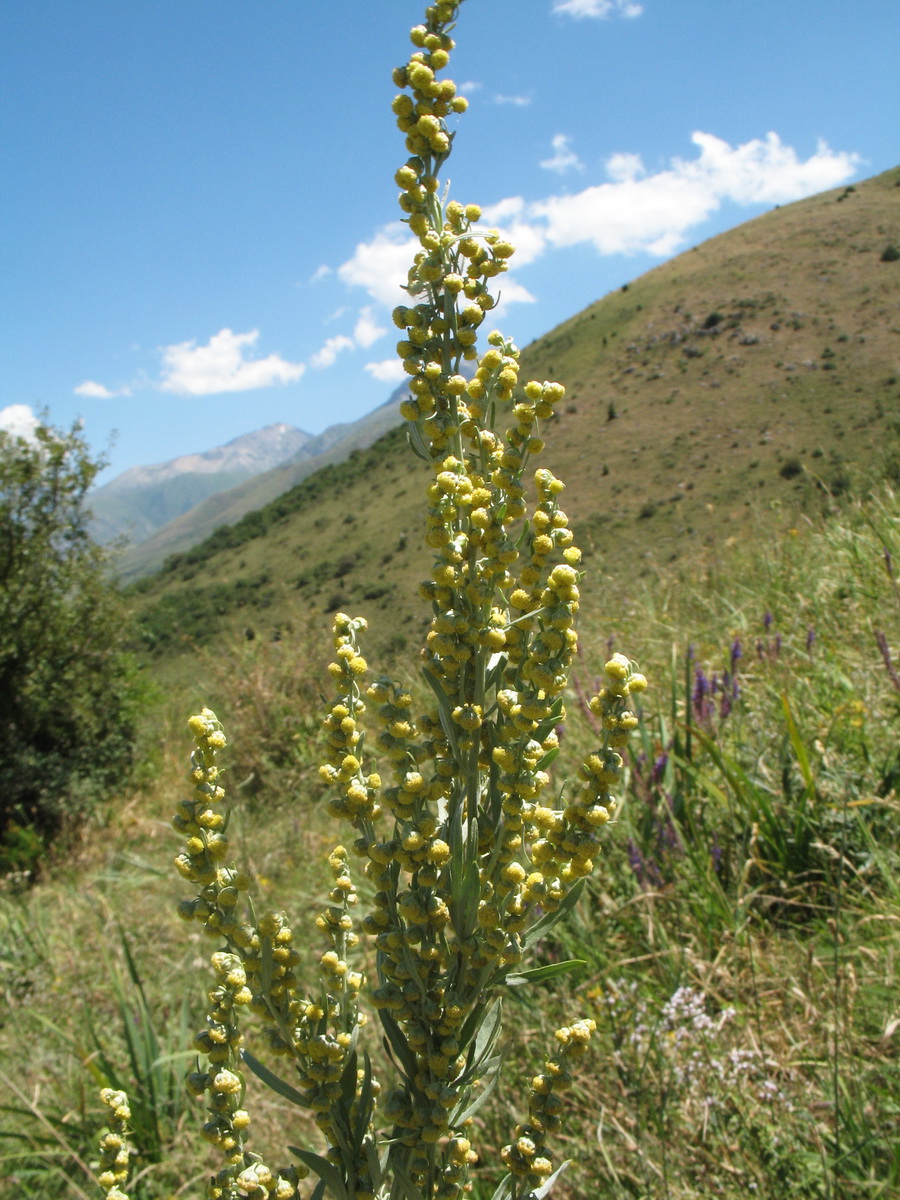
(740,941)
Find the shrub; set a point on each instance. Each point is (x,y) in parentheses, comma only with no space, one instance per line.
(68,691)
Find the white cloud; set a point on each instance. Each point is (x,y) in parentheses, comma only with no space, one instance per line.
(320,273)
(641,213)
(598,8)
(389,370)
(327,356)
(382,265)
(19,420)
(366,331)
(510,292)
(334,346)
(564,157)
(220,366)
(623,168)
(470,86)
(96,391)
(516,101)
(510,216)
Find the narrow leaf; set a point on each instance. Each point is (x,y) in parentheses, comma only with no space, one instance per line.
(267,964)
(326,1171)
(490,1083)
(348,1078)
(535,974)
(417,443)
(272,1080)
(398,1043)
(504,1191)
(546,923)
(541,1192)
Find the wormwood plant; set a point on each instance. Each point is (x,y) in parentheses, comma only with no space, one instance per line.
(468,854)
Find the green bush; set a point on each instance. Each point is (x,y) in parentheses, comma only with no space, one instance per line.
(68,692)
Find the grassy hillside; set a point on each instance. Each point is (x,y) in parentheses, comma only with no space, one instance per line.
(756,370)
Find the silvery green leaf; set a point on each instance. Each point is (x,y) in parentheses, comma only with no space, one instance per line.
(273,1081)
(542,1191)
(504,1191)
(417,442)
(548,758)
(326,1171)
(489,1079)
(267,964)
(546,923)
(536,974)
(396,1041)
(348,1078)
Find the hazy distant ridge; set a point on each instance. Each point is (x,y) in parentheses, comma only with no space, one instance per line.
(142,499)
(224,507)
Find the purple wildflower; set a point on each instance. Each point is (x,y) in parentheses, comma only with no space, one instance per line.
(716,856)
(810,639)
(767,621)
(701,698)
(636,861)
(736,652)
(659,767)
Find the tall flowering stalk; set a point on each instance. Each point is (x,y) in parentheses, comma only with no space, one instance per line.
(469,857)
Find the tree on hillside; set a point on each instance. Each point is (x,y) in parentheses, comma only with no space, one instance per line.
(67,689)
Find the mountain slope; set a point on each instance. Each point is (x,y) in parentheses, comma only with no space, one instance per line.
(140,500)
(334,445)
(756,370)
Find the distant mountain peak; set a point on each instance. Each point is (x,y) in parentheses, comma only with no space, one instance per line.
(248,454)
(140,500)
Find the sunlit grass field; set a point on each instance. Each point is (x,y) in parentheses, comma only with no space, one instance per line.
(740,942)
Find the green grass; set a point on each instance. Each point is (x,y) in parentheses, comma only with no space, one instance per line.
(741,940)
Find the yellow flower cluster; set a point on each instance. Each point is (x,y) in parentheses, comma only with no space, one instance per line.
(462,848)
(471,850)
(525,1156)
(113,1145)
(256,971)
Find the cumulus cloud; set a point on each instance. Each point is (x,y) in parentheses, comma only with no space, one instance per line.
(222,366)
(637,212)
(381,265)
(366,331)
(598,8)
(564,157)
(327,356)
(510,291)
(389,370)
(511,217)
(97,391)
(623,168)
(653,213)
(18,420)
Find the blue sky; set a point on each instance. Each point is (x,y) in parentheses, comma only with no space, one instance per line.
(198,224)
